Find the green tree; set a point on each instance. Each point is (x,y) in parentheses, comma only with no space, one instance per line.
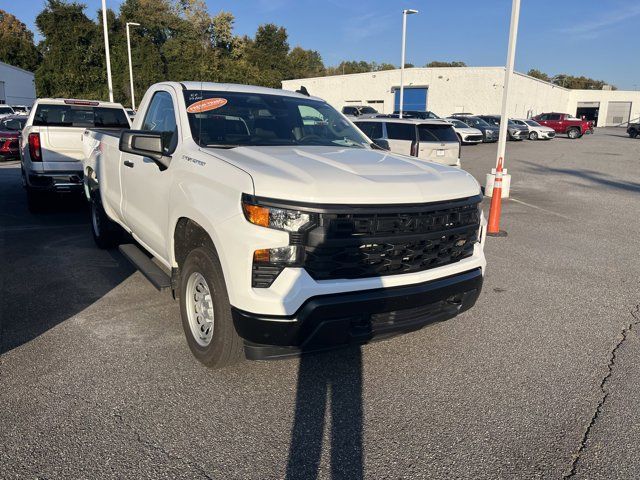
(445,64)
(535,73)
(268,55)
(305,63)
(16,43)
(72,53)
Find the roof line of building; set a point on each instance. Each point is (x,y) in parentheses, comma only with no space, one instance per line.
(17,68)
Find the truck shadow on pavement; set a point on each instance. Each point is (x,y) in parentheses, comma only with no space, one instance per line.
(334,377)
(51,269)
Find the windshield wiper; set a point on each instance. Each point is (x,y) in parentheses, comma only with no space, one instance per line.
(224,146)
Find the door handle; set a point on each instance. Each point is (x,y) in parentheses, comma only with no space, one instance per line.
(129,164)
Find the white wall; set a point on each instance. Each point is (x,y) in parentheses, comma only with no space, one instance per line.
(472,89)
(19,85)
(604,97)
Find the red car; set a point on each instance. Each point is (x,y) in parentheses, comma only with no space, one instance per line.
(564,123)
(10,128)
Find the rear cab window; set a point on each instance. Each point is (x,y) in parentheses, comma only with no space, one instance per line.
(437,133)
(84,116)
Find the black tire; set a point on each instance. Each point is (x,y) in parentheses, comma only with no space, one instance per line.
(36,200)
(533,136)
(225,346)
(573,133)
(106,233)
(633,133)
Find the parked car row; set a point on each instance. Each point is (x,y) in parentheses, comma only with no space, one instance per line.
(6,110)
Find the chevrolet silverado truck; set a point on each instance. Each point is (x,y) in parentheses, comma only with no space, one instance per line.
(565,124)
(278,225)
(51,148)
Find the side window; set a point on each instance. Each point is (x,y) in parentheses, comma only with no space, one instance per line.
(161,117)
(401,131)
(543,117)
(553,117)
(373,130)
(349,110)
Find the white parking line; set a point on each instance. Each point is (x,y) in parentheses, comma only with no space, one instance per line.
(540,208)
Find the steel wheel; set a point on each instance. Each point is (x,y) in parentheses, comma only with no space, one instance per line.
(199,309)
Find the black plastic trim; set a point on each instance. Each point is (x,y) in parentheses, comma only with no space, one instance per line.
(330,321)
(355,208)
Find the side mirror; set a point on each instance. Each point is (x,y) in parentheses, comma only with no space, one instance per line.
(382,143)
(144,143)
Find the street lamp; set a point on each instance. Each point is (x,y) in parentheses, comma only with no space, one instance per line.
(404,41)
(106,48)
(133,98)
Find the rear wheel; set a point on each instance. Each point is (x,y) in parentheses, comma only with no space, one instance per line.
(633,133)
(573,133)
(106,233)
(206,311)
(533,136)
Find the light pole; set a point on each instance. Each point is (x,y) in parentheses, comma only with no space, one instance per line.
(106,48)
(493,227)
(404,41)
(133,98)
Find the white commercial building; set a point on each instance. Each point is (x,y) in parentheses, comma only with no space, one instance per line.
(477,90)
(17,86)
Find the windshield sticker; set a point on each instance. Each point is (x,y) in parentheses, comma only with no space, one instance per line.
(206,105)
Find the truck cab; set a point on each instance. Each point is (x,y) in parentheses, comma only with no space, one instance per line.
(278,225)
(564,123)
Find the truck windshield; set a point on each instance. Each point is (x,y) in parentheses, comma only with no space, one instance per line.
(231,119)
(80,116)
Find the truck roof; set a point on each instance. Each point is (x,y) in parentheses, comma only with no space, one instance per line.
(236,87)
(77,101)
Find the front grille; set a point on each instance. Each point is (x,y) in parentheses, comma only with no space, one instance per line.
(417,238)
(474,138)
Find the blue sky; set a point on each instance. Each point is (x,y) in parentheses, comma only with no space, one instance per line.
(596,38)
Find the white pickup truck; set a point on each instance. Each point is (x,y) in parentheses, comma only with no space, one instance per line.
(278,224)
(51,144)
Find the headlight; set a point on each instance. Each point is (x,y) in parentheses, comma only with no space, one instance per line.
(277,218)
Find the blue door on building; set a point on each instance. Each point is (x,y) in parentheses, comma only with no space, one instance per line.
(415,98)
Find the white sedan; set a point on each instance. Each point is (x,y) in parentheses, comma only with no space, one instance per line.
(536,131)
(466,134)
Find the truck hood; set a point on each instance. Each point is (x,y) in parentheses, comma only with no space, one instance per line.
(321,174)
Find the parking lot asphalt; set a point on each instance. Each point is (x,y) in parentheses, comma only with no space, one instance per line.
(539,380)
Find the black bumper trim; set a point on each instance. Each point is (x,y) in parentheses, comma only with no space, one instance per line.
(331,321)
(56,181)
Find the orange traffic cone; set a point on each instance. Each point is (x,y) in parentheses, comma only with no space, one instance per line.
(493,228)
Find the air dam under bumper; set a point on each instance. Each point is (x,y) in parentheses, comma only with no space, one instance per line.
(331,321)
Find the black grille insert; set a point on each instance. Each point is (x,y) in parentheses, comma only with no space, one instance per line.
(415,238)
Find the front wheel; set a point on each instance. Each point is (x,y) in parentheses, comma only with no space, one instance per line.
(206,311)
(573,133)
(633,133)
(533,136)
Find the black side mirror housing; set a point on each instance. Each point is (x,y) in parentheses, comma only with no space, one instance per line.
(382,143)
(145,143)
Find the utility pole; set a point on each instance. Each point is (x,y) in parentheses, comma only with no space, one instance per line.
(106,48)
(133,97)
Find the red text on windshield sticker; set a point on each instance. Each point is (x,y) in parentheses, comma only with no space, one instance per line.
(206,105)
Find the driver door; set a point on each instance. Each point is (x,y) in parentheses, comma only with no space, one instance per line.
(146,184)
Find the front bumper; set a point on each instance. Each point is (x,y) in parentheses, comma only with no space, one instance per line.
(56,181)
(490,136)
(341,319)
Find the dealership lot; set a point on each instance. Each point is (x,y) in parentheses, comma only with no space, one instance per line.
(97,381)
